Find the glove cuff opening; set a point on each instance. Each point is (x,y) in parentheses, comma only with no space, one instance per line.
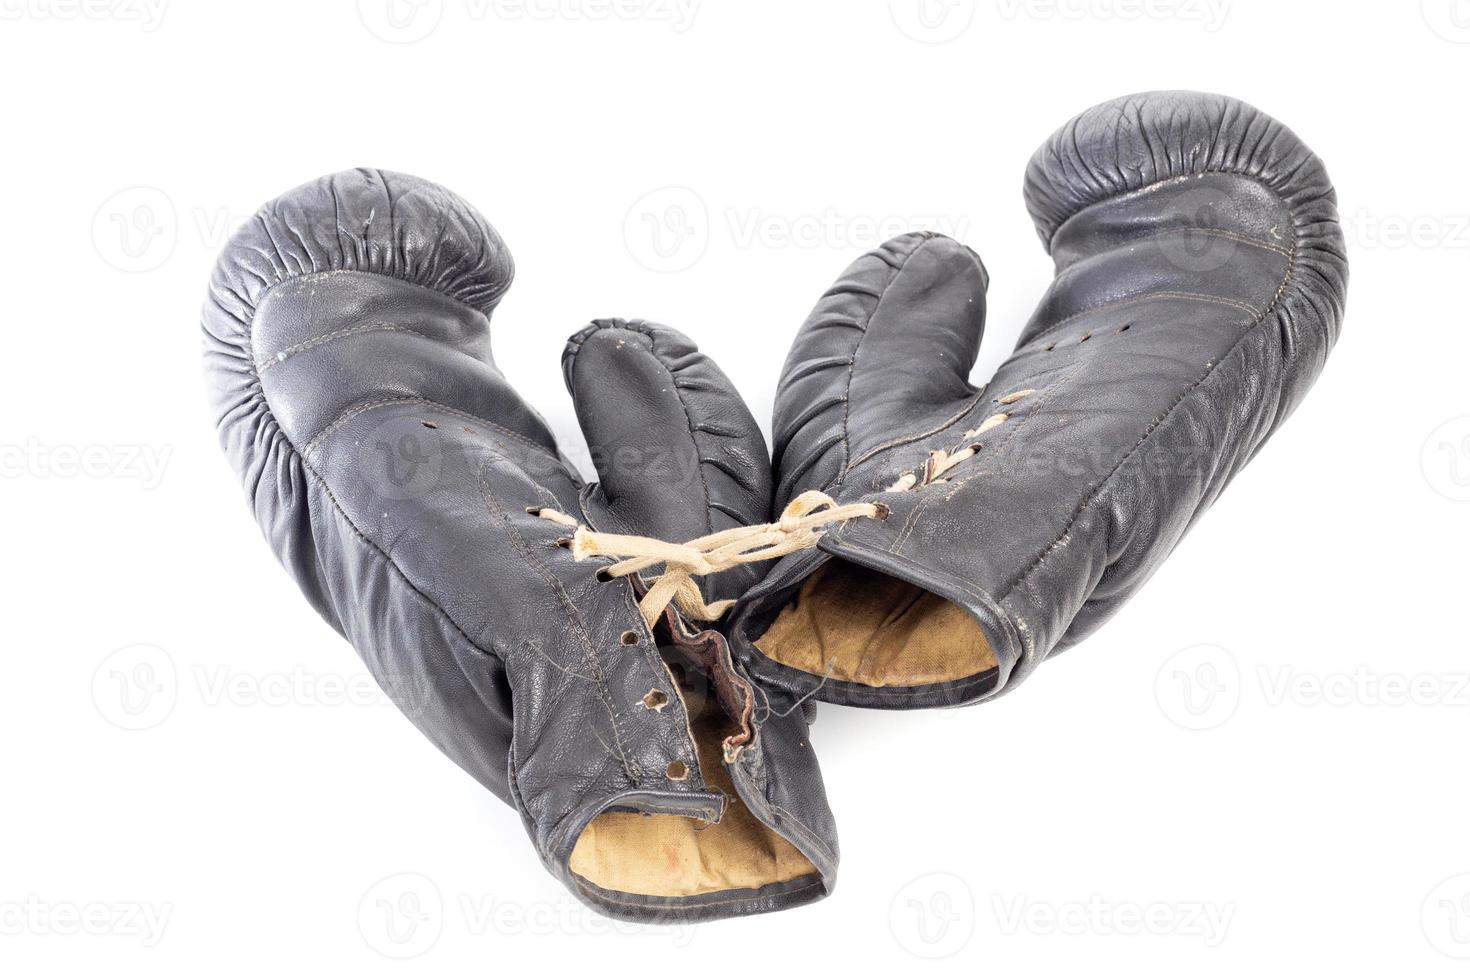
(635,857)
(853,624)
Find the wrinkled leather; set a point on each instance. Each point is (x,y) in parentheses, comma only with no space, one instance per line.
(394,470)
(1199,286)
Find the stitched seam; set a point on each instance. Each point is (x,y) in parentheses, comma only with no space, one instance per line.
(305,345)
(1213,233)
(1153,185)
(356,410)
(1093,495)
(895,272)
(323,273)
(1156,294)
(569,609)
(602,896)
(913,520)
(815,839)
(935,430)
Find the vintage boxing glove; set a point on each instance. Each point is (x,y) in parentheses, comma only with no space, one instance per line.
(1199,286)
(426,513)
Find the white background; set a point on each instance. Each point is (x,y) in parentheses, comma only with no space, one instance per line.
(199,779)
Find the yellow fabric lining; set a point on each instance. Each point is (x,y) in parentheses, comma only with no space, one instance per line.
(673,856)
(851,623)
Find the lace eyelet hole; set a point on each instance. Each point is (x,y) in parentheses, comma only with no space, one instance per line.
(564,542)
(655,699)
(629,638)
(677,771)
(603,576)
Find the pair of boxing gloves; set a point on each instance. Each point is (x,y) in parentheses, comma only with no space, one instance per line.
(913,542)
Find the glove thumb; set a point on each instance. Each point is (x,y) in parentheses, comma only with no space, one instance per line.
(885,353)
(678,454)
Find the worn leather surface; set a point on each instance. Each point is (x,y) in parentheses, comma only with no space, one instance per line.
(393,468)
(1199,286)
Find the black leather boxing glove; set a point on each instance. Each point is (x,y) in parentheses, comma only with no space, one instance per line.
(425,512)
(1200,279)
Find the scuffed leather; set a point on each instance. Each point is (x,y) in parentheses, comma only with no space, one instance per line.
(394,472)
(1199,286)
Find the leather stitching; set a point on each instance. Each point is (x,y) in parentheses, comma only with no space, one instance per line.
(356,410)
(1092,495)
(287,353)
(569,609)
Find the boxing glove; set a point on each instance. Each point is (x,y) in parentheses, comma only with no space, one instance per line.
(425,511)
(969,534)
